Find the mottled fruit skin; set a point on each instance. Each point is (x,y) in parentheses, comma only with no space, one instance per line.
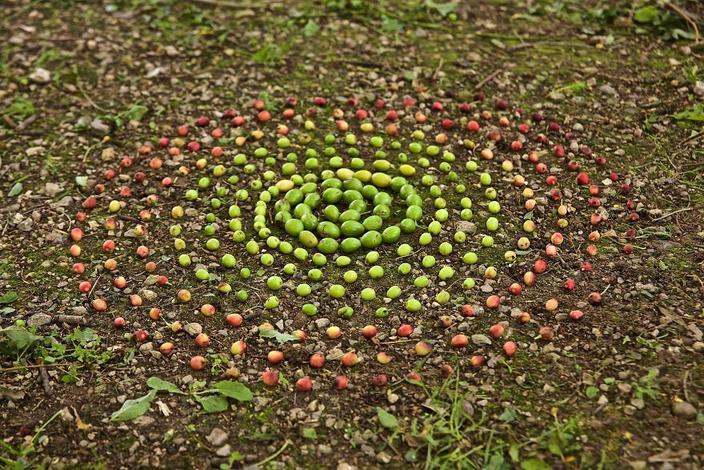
(341,382)
(576,315)
(459,341)
(510,348)
(141,336)
(547,333)
(270,378)
(304,384)
(467,310)
(197,362)
(369,331)
(275,357)
(317,360)
(380,380)
(349,359)
(238,348)
(405,330)
(496,331)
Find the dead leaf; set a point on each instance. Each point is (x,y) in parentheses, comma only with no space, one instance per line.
(163,407)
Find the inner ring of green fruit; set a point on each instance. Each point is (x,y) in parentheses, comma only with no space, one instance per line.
(349,209)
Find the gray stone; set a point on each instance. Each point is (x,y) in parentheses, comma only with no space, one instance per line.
(345,466)
(193,329)
(39,319)
(684,409)
(40,75)
(481,340)
(224,451)
(217,437)
(52,189)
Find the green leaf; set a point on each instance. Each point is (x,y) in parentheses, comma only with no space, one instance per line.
(19,337)
(311,29)
(8,297)
(212,403)
(135,408)
(591,392)
(84,335)
(235,390)
(514,452)
(646,14)
(575,88)
(390,24)
(269,54)
(136,112)
(309,433)
(21,108)
(81,181)
(695,113)
(443,9)
(15,190)
(386,419)
(535,464)
(508,415)
(555,444)
(161,385)
(496,462)
(280,337)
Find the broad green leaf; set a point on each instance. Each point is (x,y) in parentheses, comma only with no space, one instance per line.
(8,297)
(390,24)
(386,419)
(136,112)
(309,433)
(311,29)
(20,337)
(443,9)
(84,335)
(646,14)
(280,337)
(212,403)
(514,452)
(575,88)
(695,113)
(135,408)
(20,108)
(161,385)
(15,190)
(508,415)
(496,462)
(535,464)
(235,390)
(591,392)
(555,444)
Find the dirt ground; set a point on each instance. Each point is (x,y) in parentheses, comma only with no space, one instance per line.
(84,84)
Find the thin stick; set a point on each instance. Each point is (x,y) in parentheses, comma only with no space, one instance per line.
(692,137)
(684,385)
(672,213)
(687,17)
(274,455)
(34,366)
(492,76)
(222,3)
(94,286)
(438,68)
